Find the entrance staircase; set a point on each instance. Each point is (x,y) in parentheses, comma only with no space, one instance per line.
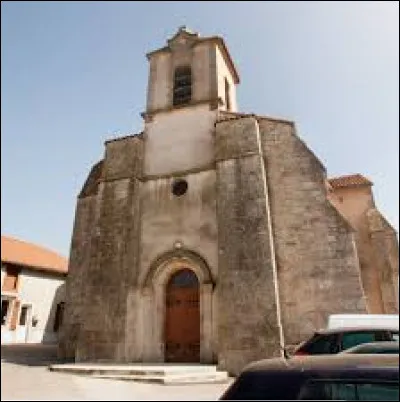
(163,373)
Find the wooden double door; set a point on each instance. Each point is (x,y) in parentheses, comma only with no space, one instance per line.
(182,321)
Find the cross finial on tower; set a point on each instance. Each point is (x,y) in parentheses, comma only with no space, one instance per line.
(184,28)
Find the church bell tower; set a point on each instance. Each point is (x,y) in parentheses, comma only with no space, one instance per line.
(191,79)
(191,70)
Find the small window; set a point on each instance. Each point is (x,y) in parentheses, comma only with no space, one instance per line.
(23,315)
(227,95)
(357,338)
(10,282)
(182,86)
(5,307)
(58,317)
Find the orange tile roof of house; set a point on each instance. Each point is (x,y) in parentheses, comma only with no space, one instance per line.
(29,255)
(352,180)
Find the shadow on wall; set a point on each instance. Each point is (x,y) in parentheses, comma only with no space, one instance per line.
(54,320)
(29,354)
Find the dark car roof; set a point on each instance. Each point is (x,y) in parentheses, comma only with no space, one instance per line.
(374,346)
(319,362)
(353,329)
(282,379)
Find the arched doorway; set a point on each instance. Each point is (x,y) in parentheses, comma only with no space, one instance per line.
(182,318)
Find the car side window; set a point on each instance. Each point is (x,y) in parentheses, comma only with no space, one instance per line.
(325,390)
(356,338)
(337,390)
(323,345)
(378,392)
(264,386)
(343,391)
(315,391)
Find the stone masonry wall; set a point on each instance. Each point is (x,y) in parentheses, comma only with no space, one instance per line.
(370,275)
(385,257)
(111,269)
(79,260)
(316,256)
(354,204)
(248,325)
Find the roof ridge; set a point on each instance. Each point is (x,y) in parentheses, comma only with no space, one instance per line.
(24,253)
(46,248)
(349,180)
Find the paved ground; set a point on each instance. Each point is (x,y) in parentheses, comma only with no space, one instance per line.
(24,376)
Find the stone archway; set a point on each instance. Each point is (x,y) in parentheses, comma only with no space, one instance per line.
(155,286)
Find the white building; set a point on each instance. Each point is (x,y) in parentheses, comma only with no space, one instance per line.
(32,292)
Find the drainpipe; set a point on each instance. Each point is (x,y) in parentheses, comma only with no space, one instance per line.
(272,249)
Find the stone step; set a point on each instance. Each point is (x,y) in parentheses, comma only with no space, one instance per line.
(156,373)
(131,369)
(177,379)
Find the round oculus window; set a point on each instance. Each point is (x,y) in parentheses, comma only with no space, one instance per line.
(179,187)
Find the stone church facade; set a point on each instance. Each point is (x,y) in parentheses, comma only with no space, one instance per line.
(213,235)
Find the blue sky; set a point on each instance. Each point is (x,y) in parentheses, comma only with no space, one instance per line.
(74,74)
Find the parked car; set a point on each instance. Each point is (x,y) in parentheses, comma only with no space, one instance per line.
(331,341)
(344,377)
(375,348)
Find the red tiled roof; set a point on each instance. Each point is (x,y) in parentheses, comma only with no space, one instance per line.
(19,252)
(352,180)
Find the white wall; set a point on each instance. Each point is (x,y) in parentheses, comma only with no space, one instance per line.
(6,336)
(42,291)
(201,73)
(3,274)
(179,140)
(159,86)
(190,219)
(224,72)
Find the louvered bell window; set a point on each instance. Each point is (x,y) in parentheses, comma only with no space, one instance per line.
(182,86)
